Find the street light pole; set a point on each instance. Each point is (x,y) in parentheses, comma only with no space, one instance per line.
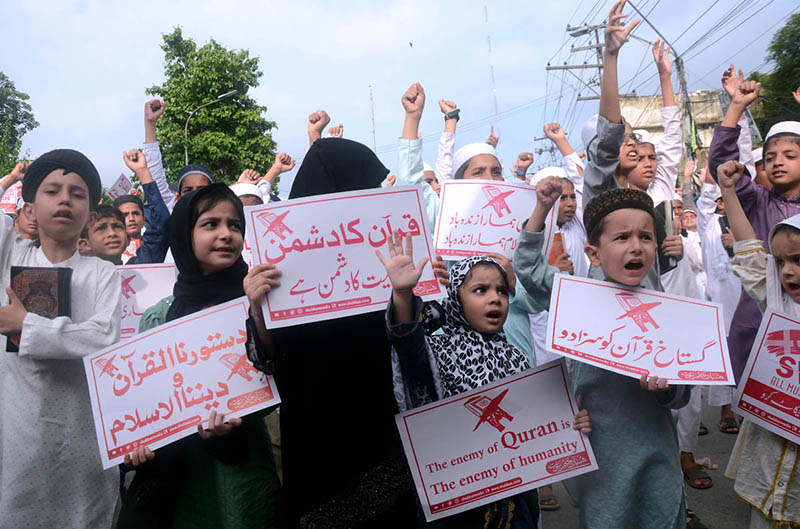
(192,113)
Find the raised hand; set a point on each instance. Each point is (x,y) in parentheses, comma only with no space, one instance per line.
(17,173)
(317,121)
(548,191)
(414,100)
(400,264)
(135,161)
(688,169)
(217,425)
(249,176)
(336,132)
(492,139)
(153,110)
(729,173)
(729,80)
(746,92)
(524,160)
(554,132)
(283,163)
(616,33)
(447,106)
(661,58)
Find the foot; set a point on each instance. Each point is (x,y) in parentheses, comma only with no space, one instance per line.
(693,473)
(728,422)
(547,501)
(703,430)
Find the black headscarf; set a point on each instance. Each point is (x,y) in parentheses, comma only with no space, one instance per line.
(335,165)
(71,161)
(194,291)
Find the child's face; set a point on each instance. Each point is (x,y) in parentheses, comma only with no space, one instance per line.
(645,170)
(627,246)
(107,238)
(217,238)
(568,204)
(61,206)
(628,157)
(430,179)
(483,167)
(484,299)
(689,220)
(25,226)
(782,163)
(191,182)
(761,176)
(134,219)
(786,251)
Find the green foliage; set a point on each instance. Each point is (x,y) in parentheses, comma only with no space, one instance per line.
(16,118)
(776,101)
(228,136)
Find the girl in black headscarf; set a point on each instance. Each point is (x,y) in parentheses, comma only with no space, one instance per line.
(342,461)
(224,476)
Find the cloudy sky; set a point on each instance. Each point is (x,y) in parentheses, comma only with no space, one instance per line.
(86,63)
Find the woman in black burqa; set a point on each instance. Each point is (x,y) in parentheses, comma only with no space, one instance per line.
(343,463)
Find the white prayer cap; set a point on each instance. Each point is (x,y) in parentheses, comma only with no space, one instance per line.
(792,127)
(676,196)
(20,203)
(758,155)
(241,190)
(426,167)
(548,171)
(463,155)
(589,131)
(644,135)
(717,194)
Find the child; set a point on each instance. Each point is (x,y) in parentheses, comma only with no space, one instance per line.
(762,463)
(639,480)
(50,471)
(224,476)
(471,353)
(106,235)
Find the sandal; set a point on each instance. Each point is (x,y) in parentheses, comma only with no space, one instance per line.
(548,502)
(694,474)
(703,430)
(693,521)
(729,425)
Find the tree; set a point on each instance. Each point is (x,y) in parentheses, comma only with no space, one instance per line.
(16,119)
(777,103)
(227,137)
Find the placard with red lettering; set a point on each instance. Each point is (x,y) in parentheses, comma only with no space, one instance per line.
(487,444)
(325,247)
(477,217)
(122,186)
(142,287)
(8,202)
(769,391)
(635,331)
(158,386)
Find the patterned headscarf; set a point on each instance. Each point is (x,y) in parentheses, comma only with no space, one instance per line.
(467,359)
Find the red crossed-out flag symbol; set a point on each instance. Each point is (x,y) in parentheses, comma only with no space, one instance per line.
(784,342)
(274,223)
(127,288)
(497,199)
(636,310)
(488,410)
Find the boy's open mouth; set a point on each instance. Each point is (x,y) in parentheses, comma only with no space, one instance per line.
(493,315)
(63,213)
(792,287)
(634,265)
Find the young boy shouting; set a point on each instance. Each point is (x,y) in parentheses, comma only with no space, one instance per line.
(50,470)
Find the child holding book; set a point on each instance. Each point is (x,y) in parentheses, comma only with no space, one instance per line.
(50,469)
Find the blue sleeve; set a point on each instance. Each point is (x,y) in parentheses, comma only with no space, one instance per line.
(155,241)
(409,172)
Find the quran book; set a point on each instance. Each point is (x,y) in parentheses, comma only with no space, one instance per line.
(556,250)
(43,291)
(665,227)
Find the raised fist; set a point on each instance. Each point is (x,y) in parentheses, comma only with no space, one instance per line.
(729,173)
(548,191)
(153,110)
(554,132)
(317,121)
(135,160)
(336,132)
(447,106)
(283,162)
(524,160)
(414,99)
(746,92)
(249,176)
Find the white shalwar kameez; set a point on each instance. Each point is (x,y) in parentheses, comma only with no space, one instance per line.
(50,469)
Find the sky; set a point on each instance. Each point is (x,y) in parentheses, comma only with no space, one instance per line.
(86,64)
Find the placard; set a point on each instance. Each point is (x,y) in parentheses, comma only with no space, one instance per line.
(122,186)
(502,439)
(157,386)
(8,202)
(325,247)
(635,331)
(769,391)
(477,217)
(142,287)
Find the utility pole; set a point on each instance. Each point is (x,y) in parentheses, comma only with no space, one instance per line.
(579,31)
(372,115)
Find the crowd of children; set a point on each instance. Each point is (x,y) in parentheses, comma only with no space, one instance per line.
(735,240)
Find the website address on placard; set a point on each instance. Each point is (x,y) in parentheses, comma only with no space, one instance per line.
(322,308)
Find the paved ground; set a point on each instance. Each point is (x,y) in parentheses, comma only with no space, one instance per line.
(718,507)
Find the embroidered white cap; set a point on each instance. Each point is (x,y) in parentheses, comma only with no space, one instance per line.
(463,155)
(792,127)
(758,155)
(548,171)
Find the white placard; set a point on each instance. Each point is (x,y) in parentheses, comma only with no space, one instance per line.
(156,387)
(635,331)
(769,391)
(325,247)
(142,287)
(8,202)
(477,217)
(496,441)
(122,186)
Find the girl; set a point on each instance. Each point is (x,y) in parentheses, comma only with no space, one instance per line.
(639,480)
(762,463)
(470,353)
(224,476)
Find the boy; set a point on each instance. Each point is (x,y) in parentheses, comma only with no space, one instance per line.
(634,440)
(50,470)
(106,235)
(132,209)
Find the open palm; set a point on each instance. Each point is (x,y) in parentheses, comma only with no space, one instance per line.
(403,275)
